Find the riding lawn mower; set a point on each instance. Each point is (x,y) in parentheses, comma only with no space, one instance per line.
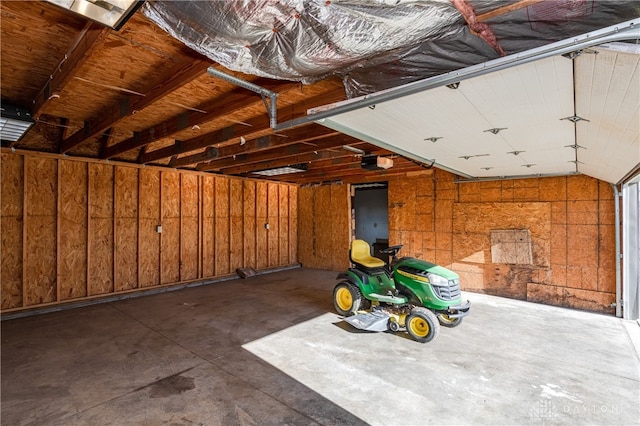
(408,293)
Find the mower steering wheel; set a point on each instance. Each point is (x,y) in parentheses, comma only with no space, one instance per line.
(393,250)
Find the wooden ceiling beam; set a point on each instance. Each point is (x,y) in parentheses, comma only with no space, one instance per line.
(252,126)
(312,158)
(237,100)
(172,80)
(505,9)
(284,138)
(353,173)
(91,36)
(287,151)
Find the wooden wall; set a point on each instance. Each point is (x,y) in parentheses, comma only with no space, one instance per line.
(72,229)
(570,221)
(324,214)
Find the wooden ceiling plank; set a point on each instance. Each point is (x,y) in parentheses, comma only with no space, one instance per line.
(353,175)
(255,125)
(172,80)
(91,36)
(237,100)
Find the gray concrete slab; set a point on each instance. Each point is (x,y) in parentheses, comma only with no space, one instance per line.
(270,350)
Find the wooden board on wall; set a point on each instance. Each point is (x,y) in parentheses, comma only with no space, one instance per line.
(72,244)
(306,197)
(340,218)
(208,226)
(148,238)
(189,234)
(100,229)
(261,219)
(222,226)
(126,223)
(322,227)
(274,226)
(170,227)
(293,224)
(249,223)
(283,209)
(11,170)
(236,242)
(40,266)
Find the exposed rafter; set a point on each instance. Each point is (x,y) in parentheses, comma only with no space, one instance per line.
(169,82)
(230,103)
(251,127)
(287,151)
(263,143)
(91,36)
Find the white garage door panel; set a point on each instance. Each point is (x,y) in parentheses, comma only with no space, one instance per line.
(531,103)
(608,94)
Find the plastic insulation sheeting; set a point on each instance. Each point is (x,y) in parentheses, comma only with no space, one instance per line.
(371,44)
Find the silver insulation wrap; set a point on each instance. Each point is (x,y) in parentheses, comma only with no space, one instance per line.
(371,44)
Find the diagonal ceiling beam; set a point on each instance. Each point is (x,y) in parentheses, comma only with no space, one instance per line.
(91,36)
(288,151)
(300,134)
(236,100)
(255,125)
(172,80)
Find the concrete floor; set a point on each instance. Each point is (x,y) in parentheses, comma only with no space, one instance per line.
(270,350)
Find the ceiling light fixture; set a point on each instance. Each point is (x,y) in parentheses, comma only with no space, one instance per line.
(112,13)
(352,149)
(515,152)
(14,122)
(294,168)
(575,146)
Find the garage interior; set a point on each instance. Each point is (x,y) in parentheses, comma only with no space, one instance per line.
(181,141)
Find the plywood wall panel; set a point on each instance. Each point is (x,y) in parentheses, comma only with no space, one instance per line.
(126,228)
(249,223)
(40,267)
(340,218)
(283,208)
(293,224)
(273,218)
(222,226)
(170,227)
(208,226)
(322,227)
(11,221)
(149,218)
(73,221)
(262,241)
(189,233)
(101,205)
(236,238)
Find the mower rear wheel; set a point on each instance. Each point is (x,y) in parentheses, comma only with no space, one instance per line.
(347,298)
(445,321)
(422,325)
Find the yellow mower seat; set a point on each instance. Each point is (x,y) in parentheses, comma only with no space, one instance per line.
(361,255)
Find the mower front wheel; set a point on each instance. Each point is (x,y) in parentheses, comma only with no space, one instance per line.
(445,321)
(347,298)
(422,325)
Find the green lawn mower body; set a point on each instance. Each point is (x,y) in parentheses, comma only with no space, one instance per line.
(410,293)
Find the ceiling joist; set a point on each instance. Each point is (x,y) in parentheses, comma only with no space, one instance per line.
(228,104)
(91,36)
(172,80)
